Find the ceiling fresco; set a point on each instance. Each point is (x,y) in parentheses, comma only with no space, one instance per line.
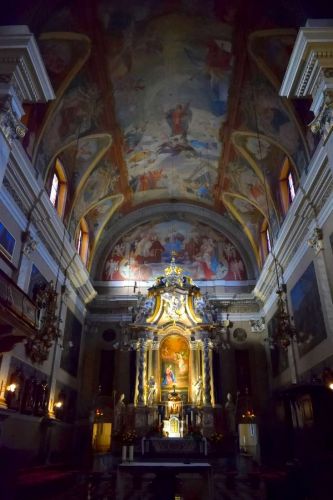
(171,78)
(144,252)
(172,102)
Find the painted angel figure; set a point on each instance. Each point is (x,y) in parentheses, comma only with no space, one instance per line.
(179,118)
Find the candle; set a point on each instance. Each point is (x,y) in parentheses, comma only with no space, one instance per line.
(192,416)
(187,420)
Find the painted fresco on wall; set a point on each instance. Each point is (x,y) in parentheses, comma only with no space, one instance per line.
(62,53)
(79,157)
(272,49)
(204,254)
(77,114)
(102,182)
(247,214)
(174,355)
(98,216)
(266,159)
(279,356)
(307,311)
(171,78)
(262,108)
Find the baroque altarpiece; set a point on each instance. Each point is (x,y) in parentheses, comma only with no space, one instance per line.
(174,327)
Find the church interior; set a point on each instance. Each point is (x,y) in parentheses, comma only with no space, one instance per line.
(166,250)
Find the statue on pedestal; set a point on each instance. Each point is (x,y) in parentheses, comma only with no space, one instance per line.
(198,385)
(119,411)
(230,412)
(151,390)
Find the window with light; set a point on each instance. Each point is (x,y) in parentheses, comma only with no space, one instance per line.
(58,187)
(82,241)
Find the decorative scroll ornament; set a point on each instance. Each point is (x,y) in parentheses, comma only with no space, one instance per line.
(143,309)
(10,125)
(38,345)
(205,309)
(323,123)
(29,244)
(316,240)
(257,325)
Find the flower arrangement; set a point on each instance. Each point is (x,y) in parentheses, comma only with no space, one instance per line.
(216,438)
(129,437)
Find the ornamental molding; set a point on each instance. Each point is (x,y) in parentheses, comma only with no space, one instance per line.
(323,123)
(10,125)
(22,65)
(316,240)
(313,51)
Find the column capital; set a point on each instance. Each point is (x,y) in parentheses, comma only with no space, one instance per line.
(10,125)
(316,240)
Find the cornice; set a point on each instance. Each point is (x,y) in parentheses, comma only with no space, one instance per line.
(22,65)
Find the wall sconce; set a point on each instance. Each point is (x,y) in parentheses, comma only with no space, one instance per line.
(11,387)
(59,404)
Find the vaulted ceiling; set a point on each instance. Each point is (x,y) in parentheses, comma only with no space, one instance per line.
(173,103)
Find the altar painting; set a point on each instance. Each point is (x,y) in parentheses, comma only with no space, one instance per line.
(203,253)
(174,356)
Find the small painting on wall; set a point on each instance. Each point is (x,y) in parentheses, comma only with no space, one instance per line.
(307,310)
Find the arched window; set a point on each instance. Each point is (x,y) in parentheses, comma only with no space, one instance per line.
(288,185)
(58,188)
(82,241)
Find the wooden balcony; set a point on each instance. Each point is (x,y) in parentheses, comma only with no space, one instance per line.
(18,314)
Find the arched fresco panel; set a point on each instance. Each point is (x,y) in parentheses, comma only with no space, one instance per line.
(204,253)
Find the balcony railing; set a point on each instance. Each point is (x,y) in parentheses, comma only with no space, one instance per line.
(17,302)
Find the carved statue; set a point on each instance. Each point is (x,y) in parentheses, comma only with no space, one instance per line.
(230,412)
(119,412)
(198,385)
(151,390)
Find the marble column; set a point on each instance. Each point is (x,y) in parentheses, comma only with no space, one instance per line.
(207,363)
(141,370)
(194,368)
(155,367)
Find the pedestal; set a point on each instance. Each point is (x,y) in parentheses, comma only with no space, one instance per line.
(208,423)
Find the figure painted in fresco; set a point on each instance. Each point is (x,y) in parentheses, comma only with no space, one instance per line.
(169,376)
(203,253)
(178,119)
